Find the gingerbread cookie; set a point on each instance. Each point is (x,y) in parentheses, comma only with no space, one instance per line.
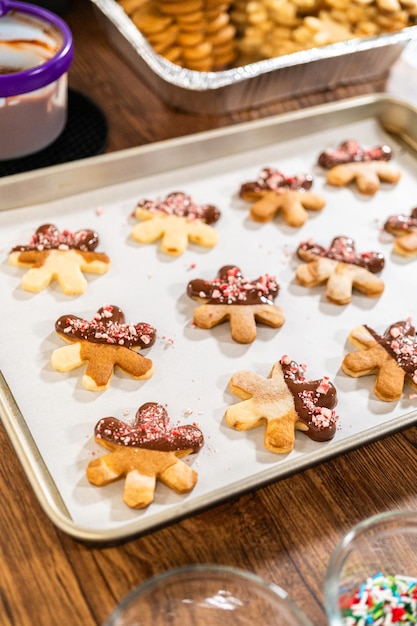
(176,220)
(103,343)
(341,268)
(404,228)
(392,357)
(274,193)
(147,451)
(367,168)
(62,256)
(233,297)
(285,401)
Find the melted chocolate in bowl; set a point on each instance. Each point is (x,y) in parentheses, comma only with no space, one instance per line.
(33,105)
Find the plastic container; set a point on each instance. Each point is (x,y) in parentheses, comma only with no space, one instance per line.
(36,51)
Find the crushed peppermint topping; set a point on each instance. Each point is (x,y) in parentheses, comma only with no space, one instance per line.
(342,249)
(182,205)
(108,326)
(152,429)
(274,180)
(350,151)
(400,341)
(314,399)
(231,287)
(321,416)
(48,237)
(403,342)
(404,223)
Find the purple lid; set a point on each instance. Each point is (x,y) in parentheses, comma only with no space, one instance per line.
(48,72)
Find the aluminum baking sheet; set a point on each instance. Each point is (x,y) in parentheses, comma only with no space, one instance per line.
(254,84)
(50,417)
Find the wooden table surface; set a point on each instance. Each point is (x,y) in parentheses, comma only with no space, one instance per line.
(284,532)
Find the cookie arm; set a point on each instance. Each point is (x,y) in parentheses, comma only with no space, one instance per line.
(315,272)
(242,324)
(389,380)
(148,231)
(367,175)
(340,284)
(268,400)
(102,359)
(67,358)
(367,182)
(203,234)
(141,468)
(179,477)
(64,266)
(407,244)
(270,315)
(294,204)
(366,282)
(139,489)
(265,207)
(94,262)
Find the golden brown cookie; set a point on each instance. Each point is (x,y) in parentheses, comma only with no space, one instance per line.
(61,256)
(144,452)
(341,269)
(366,168)
(103,343)
(391,357)
(274,193)
(284,402)
(404,228)
(176,220)
(243,303)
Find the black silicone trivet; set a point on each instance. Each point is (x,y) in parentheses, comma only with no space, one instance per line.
(84,135)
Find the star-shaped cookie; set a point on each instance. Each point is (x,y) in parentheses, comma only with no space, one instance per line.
(61,256)
(274,193)
(341,268)
(233,297)
(350,163)
(391,357)
(284,402)
(176,220)
(103,343)
(404,229)
(147,451)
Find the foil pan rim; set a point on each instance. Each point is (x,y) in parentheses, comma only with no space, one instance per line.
(201,81)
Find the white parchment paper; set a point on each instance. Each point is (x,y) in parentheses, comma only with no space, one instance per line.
(193,366)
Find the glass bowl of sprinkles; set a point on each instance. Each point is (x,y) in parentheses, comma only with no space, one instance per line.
(371,577)
(207,595)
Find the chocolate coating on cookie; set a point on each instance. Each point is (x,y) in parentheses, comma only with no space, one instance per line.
(152,429)
(400,341)
(273,180)
(108,326)
(48,237)
(342,249)
(231,287)
(350,151)
(314,401)
(401,223)
(182,205)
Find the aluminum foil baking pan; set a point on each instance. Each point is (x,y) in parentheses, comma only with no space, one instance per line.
(254,84)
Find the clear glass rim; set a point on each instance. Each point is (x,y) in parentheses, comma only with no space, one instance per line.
(209,569)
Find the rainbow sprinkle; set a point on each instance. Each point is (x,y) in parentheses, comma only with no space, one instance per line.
(382,601)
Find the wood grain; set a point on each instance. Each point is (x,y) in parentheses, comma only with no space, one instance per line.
(284,532)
